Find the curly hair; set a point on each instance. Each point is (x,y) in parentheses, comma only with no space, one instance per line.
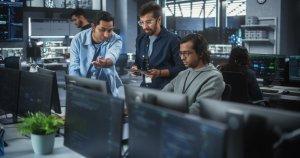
(239,60)
(239,56)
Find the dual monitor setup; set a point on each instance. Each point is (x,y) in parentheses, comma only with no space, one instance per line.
(23,92)
(160,126)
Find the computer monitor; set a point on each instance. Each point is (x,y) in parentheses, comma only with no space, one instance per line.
(12,62)
(269,67)
(35,93)
(294,68)
(98,85)
(93,122)
(156,132)
(33,51)
(256,128)
(9,93)
(55,102)
(169,100)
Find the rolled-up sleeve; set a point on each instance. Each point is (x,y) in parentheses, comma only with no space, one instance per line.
(74,67)
(114,51)
(178,65)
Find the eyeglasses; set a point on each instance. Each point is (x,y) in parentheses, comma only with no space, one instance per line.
(148,22)
(185,54)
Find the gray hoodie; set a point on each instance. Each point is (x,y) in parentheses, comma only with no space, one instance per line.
(206,82)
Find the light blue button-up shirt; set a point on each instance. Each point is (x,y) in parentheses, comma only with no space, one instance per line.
(82,52)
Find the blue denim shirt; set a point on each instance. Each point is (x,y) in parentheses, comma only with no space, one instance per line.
(82,52)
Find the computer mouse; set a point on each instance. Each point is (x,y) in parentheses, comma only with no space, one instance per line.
(285,92)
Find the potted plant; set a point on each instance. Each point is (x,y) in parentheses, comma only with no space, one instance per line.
(42,129)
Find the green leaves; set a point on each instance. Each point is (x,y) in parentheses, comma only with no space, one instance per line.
(40,124)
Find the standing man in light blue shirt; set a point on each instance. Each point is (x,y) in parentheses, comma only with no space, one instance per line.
(94,52)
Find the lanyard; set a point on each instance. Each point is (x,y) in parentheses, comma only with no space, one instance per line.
(185,89)
(97,51)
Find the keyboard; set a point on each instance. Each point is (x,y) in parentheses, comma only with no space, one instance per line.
(270,91)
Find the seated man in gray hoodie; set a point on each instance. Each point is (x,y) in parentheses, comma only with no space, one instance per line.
(201,79)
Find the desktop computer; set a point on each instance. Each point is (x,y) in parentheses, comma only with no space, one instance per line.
(257,128)
(294,69)
(9,93)
(169,100)
(35,93)
(269,67)
(93,122)
(157,132)
(55,102)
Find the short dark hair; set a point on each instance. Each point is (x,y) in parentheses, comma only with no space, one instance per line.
(151,7)
(102,15)
(78,12)
(239,56)
(200,45)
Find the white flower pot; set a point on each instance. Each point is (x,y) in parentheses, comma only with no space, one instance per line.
(42,144)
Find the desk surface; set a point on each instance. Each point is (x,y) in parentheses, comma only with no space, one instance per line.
(20,146)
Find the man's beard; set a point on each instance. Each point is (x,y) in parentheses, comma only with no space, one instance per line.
(151,31)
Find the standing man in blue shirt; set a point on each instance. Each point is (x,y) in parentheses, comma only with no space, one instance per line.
(94,52)
(157,49)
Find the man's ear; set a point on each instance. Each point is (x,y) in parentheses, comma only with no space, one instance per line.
(159,19)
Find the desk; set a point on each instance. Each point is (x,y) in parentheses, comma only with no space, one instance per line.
(282,97)
(293,91)
(20,146)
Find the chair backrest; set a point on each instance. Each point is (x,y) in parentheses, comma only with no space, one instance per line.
(227,92)
(239,86)
(12,62)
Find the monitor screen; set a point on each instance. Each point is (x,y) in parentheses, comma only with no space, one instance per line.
(97,85)
(263,65)
(156,132)
(9,91)
(55,102)
(12,62)
(33,51)
(93,123)
(294,68)
(259,127)
(35,93)
(166,99)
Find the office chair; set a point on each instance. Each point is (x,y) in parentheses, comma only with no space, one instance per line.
(227,92)
(239,86)
(12,62)
(238,89)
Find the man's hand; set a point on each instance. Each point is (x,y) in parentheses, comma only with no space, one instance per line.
(102,62)
(134,71)
(153,73)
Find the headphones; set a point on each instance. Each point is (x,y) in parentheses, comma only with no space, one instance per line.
(199,47)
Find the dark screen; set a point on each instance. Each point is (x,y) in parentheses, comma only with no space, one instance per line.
(93,124)
(294,68)
(155,132)
(9,83)
(35,93)
(33,52)
(55,103)
(98,85)
(261,127)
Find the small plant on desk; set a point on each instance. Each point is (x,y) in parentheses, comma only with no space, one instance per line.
(42,129)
